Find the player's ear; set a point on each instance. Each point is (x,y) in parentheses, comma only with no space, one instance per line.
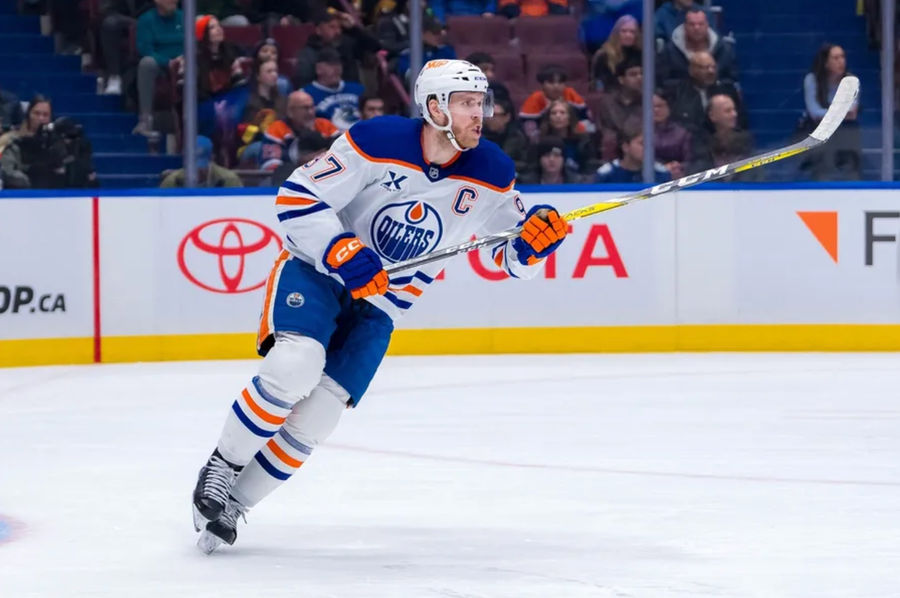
(435,111)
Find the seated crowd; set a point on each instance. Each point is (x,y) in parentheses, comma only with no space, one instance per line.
(278,81)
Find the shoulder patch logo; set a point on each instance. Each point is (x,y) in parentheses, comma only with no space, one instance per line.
(405,230)
(393,183)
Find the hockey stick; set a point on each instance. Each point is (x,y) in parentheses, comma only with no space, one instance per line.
(843,100)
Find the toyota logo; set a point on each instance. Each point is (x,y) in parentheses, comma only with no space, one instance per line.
(229,255)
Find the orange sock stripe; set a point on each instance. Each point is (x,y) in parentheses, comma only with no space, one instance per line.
(283,456)
(260,412)
(408,288)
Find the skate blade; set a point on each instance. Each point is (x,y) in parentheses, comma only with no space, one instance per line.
(208,542)
(199,520)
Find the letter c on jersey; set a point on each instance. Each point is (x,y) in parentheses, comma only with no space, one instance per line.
(229,255)
(465,197)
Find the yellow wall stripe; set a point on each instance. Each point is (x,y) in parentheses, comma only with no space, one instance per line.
(612,339)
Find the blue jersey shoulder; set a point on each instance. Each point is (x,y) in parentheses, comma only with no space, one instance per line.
(489,164)
(389,138)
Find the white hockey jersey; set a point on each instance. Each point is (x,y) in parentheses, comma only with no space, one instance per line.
(376,183)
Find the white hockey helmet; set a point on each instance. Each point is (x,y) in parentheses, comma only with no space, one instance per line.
(440,78)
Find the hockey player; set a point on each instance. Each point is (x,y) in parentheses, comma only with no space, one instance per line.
(391,188)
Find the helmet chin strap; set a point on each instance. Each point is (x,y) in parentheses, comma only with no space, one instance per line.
(447,129)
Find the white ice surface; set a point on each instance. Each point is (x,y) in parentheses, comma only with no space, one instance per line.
(523,476)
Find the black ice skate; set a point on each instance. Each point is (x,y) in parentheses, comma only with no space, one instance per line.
(224,529)
(211,492)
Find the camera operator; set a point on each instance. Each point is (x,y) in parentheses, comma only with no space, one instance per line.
(48,155)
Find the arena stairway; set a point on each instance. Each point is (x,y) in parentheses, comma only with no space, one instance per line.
(775,47)
(28,66)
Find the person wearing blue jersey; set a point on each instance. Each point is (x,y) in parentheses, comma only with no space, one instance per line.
(389,189)
(335,99)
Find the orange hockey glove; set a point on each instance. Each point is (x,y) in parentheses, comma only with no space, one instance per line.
(542,231)
(357,265)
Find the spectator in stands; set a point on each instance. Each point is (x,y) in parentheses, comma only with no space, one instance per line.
(485,62)
(441,9)
(392,27)
(338,31)
(689,98)
(11,114)
(295,139)
(218,65)
(434,47)
(628,168)
(624,43)
(578,151)
(370,106)
(722,141)
(671,141)
(512,9)
(264,94)
(335,99)
(553,87)
(599,18)
(12,165)
(621,105)
(841,157)
(209,174)
(69,23)
(118,17)
(548,165)
(44,155)
(671,14)
(502,129)
(159,39)
(230,13)
(267,49)
(695,35)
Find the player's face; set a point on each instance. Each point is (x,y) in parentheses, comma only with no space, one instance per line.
(467,111)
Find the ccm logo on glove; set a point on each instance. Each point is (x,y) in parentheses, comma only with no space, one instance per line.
(357,265)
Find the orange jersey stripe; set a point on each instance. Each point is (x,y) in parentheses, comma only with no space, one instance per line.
(262,413)
(283,456)
(264,328)
(409,289)
(373,159)
(482,183)
(285,200)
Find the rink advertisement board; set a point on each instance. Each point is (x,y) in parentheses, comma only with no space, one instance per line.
(46,280)
(182,276)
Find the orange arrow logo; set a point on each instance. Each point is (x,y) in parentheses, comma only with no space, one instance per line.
(824,227)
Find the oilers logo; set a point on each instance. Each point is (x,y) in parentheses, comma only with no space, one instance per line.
(402,231)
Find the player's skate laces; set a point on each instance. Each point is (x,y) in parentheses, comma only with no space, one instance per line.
(213,485)
(223,529)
